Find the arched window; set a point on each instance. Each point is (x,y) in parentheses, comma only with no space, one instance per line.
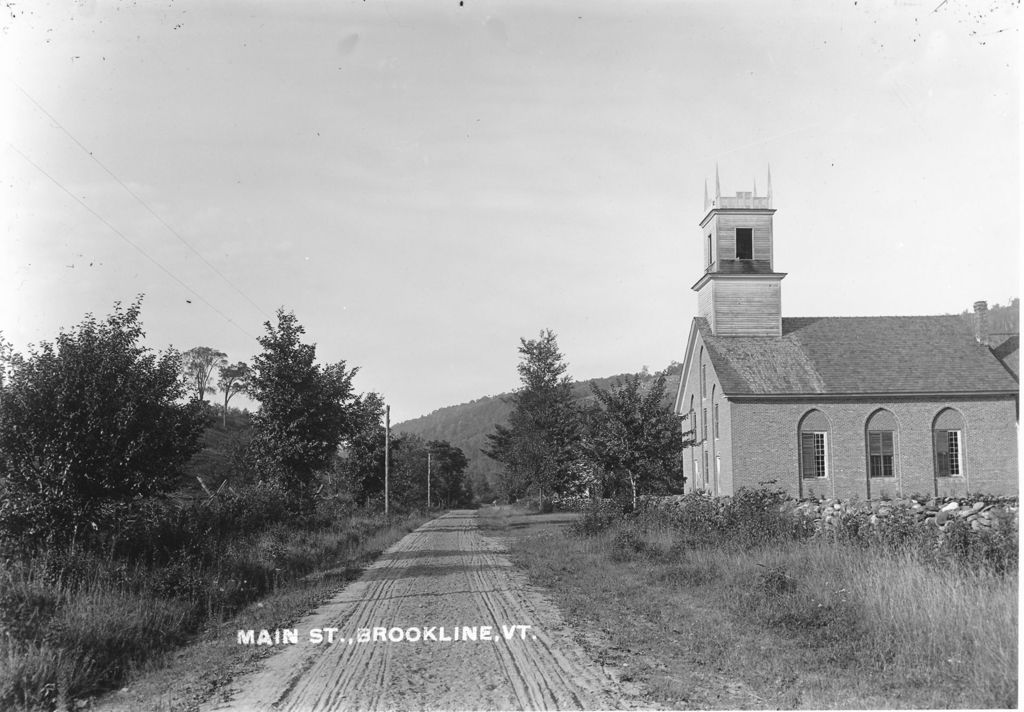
(882,440)
(948,440)
(693,418)
(714,413)
(815,433)
(693,449)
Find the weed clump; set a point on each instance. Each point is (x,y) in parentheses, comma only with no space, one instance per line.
(599,516)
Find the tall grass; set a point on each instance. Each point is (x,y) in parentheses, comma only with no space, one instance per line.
(953,632)
(76,623)
(918,628)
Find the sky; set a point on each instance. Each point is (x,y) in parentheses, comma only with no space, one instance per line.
(425,183)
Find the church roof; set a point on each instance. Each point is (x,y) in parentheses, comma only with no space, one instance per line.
(1009,352)
(857,356)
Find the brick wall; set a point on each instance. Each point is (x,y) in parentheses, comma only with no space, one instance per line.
(765,446)
(719,447)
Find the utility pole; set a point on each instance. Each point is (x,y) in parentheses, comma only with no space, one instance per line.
(387,453)
(428,479)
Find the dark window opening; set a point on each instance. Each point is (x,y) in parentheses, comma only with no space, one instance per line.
(744,243)
(711,258)
(881,453)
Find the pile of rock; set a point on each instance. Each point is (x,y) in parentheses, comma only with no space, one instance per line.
(980,514)
(937,511)
(828,514)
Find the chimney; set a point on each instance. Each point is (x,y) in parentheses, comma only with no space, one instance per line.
(981,322)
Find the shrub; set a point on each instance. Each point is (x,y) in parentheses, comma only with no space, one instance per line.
(627,543)
(87,422)
(597,517)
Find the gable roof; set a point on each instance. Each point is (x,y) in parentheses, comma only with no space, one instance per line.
(857,356)
(1008,352)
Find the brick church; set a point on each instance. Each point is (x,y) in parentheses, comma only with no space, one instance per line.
(844,407)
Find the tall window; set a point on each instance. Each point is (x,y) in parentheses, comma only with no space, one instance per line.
(947,453)
(704,424)
(744,243)
(706,470)
(948,438)
(716,420)
(814,441)
(882,437)
(703,380)
(813,454)
(881,453)
(710,257)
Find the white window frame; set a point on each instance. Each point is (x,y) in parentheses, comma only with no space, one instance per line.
(824,454)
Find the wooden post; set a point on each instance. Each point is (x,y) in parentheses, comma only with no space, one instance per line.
(428,479)
(387,453)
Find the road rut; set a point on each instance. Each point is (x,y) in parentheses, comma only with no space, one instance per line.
(444,574)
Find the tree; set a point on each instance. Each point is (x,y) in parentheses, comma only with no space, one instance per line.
(233,379)
(631,436)
(306,409)
(538,448)
(89,422)
(449,485)
(198,364)
(362,463)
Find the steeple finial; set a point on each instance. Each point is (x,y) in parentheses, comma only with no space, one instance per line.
(755,187)
(769,185)
(705,193)
(718,187)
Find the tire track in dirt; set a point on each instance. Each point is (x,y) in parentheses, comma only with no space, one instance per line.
(443,574)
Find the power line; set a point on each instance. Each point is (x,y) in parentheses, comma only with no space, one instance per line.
(141,202)
(124,237)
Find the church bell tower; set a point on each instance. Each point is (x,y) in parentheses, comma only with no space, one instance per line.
(739,293)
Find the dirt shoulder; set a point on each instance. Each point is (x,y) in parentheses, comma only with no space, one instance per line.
(486,639)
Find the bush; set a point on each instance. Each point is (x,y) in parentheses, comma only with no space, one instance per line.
(628,542)
(597,517)
(89,422)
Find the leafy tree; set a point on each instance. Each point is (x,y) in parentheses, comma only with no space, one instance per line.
(233,379)
(198,364)
(408,473)
(362,463)
(89,422)
(306,409)
(632,437)
(539,446)
(6,354)
(449,485)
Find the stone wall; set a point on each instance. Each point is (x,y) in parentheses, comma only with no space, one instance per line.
(829,514)
(939,512)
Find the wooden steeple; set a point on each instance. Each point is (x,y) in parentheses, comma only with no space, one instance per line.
(739,293)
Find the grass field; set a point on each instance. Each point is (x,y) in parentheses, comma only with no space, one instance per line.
(796,624)
(75,630)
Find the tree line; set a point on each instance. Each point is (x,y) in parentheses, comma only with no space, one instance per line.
(623,443)
(93,422)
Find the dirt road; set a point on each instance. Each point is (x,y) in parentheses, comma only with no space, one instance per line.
(441,584)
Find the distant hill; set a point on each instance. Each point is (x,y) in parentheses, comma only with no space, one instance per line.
(467,425)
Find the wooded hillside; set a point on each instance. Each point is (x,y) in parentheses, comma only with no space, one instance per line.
(467,425)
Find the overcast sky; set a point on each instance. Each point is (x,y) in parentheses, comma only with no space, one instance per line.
(424,183)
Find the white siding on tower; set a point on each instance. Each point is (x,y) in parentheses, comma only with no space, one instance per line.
(747,307)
